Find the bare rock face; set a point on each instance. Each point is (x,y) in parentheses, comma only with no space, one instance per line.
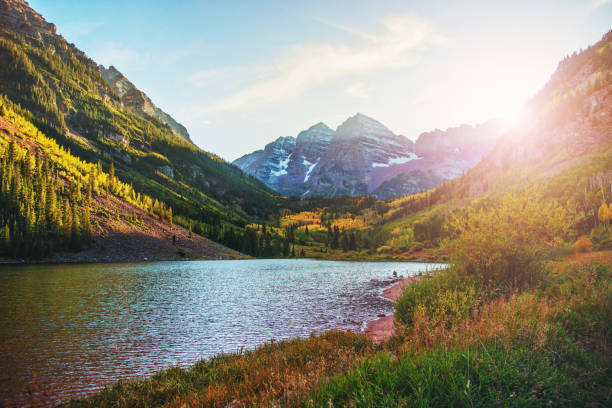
(362,153)
(18,17)
(137,101)
(115,137)
(407,183)
(364,157)
(287,164)
(310,146)
(167,171)
(270,164)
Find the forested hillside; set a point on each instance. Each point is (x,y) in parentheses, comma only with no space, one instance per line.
(56,88)
(57,206)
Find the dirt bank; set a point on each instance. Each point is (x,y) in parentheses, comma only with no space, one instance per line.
(380,330)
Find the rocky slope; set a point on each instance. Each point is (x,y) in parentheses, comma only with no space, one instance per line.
(18,17)
(286,164)
(364,157)
(407,183)
(137,101)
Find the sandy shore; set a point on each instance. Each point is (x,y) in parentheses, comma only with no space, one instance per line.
(380,330)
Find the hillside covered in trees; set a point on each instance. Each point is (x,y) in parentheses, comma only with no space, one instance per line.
(51,88)
(54,204)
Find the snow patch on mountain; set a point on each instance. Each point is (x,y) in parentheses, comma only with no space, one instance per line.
(397,160)
(310,166)
(281,169)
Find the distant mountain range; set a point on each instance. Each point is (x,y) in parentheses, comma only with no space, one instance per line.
(362,156)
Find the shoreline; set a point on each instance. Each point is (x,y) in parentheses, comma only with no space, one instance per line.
(380,330)
(67,260)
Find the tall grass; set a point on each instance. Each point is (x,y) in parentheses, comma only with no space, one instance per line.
(274,374)
(547,346)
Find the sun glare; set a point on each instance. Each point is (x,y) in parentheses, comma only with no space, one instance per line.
(513,116)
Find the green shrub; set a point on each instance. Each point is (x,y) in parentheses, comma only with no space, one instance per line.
(503,244)
(446,297)
(417,246)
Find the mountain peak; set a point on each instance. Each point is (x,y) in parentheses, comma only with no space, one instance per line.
(360,117)
(319,126)
(360,125)
(362,155)
(320,131)
(113,70)
(281,140)
(17,16)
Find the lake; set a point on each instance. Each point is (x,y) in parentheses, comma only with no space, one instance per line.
(68,330)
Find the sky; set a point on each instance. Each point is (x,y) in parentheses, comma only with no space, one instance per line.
(239,74)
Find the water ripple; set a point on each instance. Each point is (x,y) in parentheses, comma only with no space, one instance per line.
(68,330)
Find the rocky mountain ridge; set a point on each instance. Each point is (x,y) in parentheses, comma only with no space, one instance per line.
(362,156)
(18,17)
(137,101)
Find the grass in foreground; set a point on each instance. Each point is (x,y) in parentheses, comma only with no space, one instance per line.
(548,346)
(275,373)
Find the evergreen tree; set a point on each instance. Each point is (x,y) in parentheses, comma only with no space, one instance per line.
(344,242)
(352,245)
(86,230)
(335,238)
(75,242)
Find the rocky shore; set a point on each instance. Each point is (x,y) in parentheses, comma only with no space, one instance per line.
(382,329)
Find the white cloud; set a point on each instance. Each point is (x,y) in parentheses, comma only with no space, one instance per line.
(205,77)
(226,75)
(72,32)
(357,90)
(599,3)
(112,53)
(303,66)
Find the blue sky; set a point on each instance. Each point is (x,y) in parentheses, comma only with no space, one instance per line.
(239,74)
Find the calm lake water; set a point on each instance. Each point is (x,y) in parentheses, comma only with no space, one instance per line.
(68,330)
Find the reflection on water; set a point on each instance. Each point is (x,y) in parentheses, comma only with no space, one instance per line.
(68,330)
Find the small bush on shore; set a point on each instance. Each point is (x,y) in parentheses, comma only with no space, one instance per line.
(444,298)
(503,245)
(583,244)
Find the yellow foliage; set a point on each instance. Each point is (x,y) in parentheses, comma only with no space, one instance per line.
(383,249)
(583,244)
(312,220)
(502,242)
(604,214)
